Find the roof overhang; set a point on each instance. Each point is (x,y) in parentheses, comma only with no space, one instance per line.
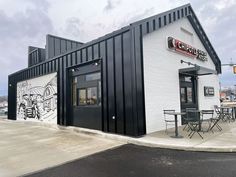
(197,71)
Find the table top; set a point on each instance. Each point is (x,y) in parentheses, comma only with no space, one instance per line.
(176,113)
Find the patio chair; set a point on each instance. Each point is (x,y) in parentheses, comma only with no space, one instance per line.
(168,119)
(209,114)
(185,118)
(215,121)
(227,114)
(193,122)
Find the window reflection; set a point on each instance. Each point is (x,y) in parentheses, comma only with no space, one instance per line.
(182,94)
(82,97)
(86,89)
(189,95)
(92,95)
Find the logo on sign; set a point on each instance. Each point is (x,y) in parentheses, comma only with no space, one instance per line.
(181,47)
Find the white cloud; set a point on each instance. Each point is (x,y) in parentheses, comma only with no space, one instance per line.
(26,22)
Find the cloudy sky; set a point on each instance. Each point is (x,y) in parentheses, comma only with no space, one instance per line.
(26,22)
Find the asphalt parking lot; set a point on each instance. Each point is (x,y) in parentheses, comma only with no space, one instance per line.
(139,161)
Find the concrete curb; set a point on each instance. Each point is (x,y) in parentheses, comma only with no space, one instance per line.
(126,139)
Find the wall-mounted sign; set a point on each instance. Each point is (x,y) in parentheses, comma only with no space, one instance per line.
(209,91)
(181,47)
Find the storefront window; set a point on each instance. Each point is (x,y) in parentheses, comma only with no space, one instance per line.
(82,97)
(86,89)
(183,95)
(92,95)
(189,95)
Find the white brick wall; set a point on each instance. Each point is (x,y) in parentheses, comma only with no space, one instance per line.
(161,75)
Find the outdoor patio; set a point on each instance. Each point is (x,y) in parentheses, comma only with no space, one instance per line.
(224,140)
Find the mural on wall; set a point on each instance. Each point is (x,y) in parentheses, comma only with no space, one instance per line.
(37,99)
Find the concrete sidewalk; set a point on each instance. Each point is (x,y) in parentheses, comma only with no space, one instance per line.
(219,141)
(30,147)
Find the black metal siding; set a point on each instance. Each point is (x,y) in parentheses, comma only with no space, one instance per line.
(119,82)
(56,46)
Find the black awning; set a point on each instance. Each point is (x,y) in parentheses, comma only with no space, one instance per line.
(197,71)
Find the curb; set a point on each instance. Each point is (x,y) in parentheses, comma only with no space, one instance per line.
(128,140)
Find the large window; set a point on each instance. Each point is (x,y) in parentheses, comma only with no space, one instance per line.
(86,89)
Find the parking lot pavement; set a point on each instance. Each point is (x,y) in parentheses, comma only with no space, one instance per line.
(139,161)
(26,148)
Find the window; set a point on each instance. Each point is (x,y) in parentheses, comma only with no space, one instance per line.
(92,96)
(93,76)
(182,95)
(86,89)
(82,97)
(189,95)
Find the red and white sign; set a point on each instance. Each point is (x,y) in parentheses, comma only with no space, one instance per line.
(181,47)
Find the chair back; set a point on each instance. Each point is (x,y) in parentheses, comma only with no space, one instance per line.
(166,111)
(192,115)
(210,113)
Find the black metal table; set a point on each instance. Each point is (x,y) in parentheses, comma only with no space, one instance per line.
(175,114)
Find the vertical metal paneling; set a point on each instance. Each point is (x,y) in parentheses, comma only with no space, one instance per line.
(127,83)
(68,60)
(119,85)
(103,55)
(64,93)
(90,53)
(78,54)
(68,45)
(73,58)
(140,101)
(51,47)
(73,45)
(63,46)
(60,95)
(57,46)
(110,82)
(84,55)
(95,51)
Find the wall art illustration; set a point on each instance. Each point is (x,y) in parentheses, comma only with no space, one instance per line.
(37,99)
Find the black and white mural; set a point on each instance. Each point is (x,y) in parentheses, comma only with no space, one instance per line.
(37,99)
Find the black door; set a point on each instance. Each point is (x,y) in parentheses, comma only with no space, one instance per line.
(86,97)
(188,92)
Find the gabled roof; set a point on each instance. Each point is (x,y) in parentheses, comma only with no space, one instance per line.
(158,21)
(153,23)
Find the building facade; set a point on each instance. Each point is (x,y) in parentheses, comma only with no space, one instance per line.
(121,82)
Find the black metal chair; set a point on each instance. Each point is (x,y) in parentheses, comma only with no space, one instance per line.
(215,121)
(193,122)
(185,118)
(227,114)
(168,120)
(208,119)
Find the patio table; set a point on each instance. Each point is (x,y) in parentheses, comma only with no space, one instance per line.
(175,114)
